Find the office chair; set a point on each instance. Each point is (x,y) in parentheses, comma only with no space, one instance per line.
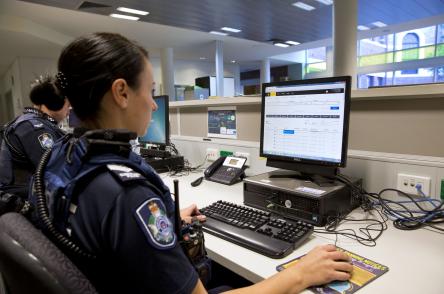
(31,263)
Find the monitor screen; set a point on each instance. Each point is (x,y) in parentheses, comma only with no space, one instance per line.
(158,130)
(73,120)
(306,121)
(222,122)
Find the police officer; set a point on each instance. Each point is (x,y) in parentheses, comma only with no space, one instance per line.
(119,220)
(29,135)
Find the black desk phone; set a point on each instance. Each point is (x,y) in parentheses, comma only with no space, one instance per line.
(226,170)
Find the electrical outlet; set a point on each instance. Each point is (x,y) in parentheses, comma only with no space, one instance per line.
(245,155)
(407,183)
(212,154)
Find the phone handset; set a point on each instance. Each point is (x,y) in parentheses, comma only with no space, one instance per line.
(214,166)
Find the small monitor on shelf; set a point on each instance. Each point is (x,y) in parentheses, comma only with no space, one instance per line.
(158,130)
(304,125)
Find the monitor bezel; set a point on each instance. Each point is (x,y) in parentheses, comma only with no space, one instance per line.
(167,123)
(347,102)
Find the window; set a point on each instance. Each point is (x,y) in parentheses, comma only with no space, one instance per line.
(411,40)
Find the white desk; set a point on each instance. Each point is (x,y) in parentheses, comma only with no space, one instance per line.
(415,258)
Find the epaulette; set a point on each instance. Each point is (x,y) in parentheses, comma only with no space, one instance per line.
(124,173)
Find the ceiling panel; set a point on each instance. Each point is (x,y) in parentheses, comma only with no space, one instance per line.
(262,20)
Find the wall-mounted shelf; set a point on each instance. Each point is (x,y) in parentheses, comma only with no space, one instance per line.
(401,92)
(241,100)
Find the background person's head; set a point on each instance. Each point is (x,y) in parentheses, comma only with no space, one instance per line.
(108,81)
(48,98)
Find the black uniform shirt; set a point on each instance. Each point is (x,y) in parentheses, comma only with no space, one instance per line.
(33,137)
(29,136)
(112,221)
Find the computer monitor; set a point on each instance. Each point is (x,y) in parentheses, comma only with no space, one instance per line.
(158,130)
(73,120)
(304,125)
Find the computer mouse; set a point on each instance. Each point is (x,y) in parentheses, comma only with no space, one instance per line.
(197,182)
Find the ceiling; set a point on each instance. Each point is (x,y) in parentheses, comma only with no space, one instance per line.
(40,28)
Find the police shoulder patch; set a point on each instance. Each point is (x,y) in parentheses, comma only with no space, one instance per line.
(124,173)
(155,224)
(46,140)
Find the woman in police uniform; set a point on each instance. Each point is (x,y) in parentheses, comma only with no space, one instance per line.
(26,137)
(121,215)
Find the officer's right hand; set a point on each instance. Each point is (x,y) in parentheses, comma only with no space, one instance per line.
(191,213)
(322,265)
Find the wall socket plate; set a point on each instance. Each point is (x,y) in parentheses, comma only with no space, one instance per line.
(407,183)
(212,154)
(243,154)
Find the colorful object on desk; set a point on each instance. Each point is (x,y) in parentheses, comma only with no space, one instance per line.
(364,271)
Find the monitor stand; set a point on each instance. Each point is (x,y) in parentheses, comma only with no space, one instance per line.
(319,180)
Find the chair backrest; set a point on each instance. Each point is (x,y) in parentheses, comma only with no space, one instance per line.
(31,263)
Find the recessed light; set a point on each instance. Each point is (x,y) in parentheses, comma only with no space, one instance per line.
(228,29)
(363,28)
(379,24)
(292,42)
(133,11)
(124,16)
(218,33)
(326,2)
(281,45)
(303,6)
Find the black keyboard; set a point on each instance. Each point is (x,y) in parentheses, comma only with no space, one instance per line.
(255,229)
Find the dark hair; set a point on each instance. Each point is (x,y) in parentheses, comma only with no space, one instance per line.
(90,64)
(45,92)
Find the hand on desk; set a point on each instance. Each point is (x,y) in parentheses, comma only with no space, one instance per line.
(322,265)
(191,212)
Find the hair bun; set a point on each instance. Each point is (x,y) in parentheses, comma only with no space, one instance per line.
(45,92)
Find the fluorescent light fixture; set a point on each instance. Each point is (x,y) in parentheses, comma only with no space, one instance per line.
(202,58)
(228,29)
(379,24)
(124,16)
(292,42)
(281,45)
(326,2)
(133,11)
(233,61)
(218,33)
(303,6)
(363,28)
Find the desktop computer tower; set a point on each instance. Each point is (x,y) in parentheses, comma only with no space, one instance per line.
(298,199)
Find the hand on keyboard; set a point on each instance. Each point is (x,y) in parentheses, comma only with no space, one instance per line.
(190,213)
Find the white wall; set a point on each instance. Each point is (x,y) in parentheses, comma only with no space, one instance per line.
(30,69)
(11,82)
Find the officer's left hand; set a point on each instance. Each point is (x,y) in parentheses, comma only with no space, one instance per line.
(191,213)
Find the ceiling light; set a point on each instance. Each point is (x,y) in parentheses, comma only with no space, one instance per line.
(379,24)
(326,2)
(233,61)
(218,33)
(292,42)
(281,45)
(202,58)
(363,28)
(133,11)
(304,6)
(124,16)
(228,29)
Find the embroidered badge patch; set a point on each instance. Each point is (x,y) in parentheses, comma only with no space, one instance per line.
(124,173)
(46,140)
(155,224)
